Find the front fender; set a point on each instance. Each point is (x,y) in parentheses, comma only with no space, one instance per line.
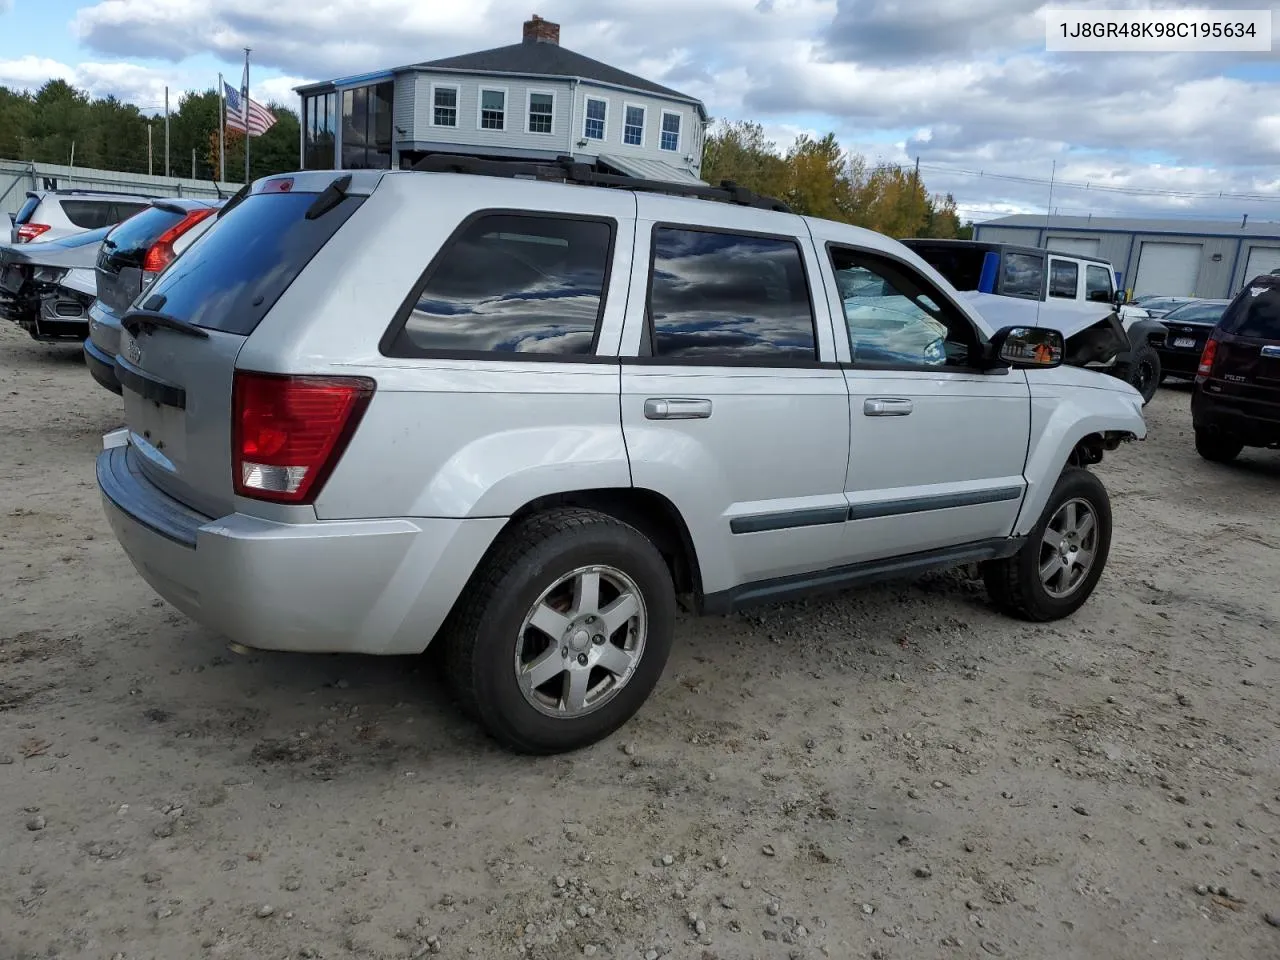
(1143,331)
(1062,416)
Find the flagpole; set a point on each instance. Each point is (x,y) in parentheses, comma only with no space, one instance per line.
(222,130)
(245,106)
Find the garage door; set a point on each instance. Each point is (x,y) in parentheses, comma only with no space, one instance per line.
(1261,260)
(1168,269)
(1082,246)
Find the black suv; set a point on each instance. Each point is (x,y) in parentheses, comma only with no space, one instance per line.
(1236,401)
(1189,326)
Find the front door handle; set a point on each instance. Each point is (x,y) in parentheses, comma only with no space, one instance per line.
(676,409)
(886,407)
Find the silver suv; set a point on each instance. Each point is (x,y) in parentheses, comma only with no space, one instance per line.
(370,411)
(54,214)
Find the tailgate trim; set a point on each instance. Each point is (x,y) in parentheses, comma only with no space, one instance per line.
(149,386)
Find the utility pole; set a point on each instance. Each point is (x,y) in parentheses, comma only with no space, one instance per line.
(166,131)
(149,152)
(193,163)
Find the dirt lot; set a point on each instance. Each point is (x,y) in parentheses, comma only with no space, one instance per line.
(896,773)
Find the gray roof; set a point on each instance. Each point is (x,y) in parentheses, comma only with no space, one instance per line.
(551,60)
(1231,228)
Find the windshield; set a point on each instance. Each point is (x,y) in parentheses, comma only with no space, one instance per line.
(1197,313)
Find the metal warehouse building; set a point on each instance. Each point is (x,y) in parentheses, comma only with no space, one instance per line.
(1173,258)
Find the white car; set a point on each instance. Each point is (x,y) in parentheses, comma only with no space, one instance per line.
(53,214)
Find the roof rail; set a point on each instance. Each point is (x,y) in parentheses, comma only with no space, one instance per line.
(569,170)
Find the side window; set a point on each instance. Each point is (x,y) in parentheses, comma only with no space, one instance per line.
(87,214)
(1064,279)
(725,297)
(513,284)
(1021,275)
(1097,284)
(895,317)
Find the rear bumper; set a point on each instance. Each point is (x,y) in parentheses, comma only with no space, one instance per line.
(101,367)
(336,586)
(1252,422)
(1185,362)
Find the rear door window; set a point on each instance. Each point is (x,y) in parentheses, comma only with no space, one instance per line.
(716,297)
(1022,275)
(1255,312)
(1064,279)
(1097,284)
(232,278)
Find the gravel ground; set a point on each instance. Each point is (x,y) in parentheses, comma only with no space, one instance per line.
(892,773)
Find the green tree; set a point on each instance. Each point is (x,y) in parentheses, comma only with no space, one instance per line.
(740,152)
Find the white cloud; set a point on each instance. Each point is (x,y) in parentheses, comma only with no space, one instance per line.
(966,87)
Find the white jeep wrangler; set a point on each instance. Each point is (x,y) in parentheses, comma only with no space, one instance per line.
(369,411)
(1071,293)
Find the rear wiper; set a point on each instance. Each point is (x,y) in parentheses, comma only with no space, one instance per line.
(330,197)
(135,320)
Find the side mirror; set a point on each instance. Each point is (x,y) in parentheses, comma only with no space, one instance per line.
(1121,298)
(1028,347)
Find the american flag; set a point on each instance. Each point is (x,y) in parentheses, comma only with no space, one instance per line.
(260,118)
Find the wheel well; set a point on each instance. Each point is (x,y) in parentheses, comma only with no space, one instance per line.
(1090,449)
(651,513)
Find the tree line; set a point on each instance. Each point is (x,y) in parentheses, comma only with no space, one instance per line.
(109,134)
(815,177)
(820,179)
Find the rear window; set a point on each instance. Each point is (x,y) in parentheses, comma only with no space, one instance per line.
(231,277)
(129,242)
(1197,313)
(1255,312)
(1022,275)
(27,209)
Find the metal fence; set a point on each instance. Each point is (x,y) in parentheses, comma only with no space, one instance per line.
(19,176)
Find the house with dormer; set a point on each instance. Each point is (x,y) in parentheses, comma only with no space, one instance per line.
(533,100)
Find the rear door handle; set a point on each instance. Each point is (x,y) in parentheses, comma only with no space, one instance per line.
(673,408)
(886,407)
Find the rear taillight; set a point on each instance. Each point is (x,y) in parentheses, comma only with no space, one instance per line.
(1206,359)
(289,431)
(29,231)
(161,253)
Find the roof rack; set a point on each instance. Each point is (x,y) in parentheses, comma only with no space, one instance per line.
(80,191)
(569,170)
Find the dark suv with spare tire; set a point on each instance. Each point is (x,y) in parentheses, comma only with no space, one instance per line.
(1236,402)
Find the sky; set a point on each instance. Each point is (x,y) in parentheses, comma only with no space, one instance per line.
(964,86)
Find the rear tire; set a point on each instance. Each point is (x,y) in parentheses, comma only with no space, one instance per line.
(562,632)
(1217,447)
(1048,579)
(1145,372)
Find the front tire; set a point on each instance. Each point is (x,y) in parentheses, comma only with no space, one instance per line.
(562,632)
(1145,371)
(1058,568)
(1217,447)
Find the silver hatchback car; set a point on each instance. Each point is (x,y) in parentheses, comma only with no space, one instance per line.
(371,411)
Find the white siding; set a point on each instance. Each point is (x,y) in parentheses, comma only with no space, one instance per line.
(690,127)
(468,131)
(1168,269)
(1261,260)
(414,112)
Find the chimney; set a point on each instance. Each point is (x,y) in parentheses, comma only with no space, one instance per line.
(537,30)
